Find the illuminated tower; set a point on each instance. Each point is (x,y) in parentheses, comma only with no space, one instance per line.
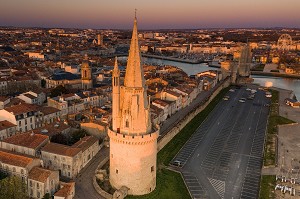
(133,141)
(100,40)
(245,61)
(86,74)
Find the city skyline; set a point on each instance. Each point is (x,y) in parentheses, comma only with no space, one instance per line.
(190,14)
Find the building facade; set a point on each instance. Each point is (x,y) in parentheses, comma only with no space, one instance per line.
(42,181)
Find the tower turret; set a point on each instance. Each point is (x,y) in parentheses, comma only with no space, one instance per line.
(116,97)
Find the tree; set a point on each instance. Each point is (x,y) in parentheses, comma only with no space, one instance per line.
(77,135)
(43,83)
(2,175)
(58,91)
(60,139)
(13,187)
(47,196)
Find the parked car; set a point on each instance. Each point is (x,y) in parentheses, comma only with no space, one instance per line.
(177,163)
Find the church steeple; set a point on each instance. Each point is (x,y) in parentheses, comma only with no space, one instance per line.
(134,73)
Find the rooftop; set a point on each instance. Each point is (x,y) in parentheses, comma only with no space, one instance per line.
(6,124)
(46,110)
(30,96)
(85,142)
(28,139)
(14,159)
(39,174)
(61,149)
(21,108)
(65,190)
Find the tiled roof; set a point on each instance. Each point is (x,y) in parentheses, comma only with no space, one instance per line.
(51,129)
(6,124)
(65,190)
(48,110)
(14,159)
(85,142)
(27,139)
(173,93)
(21,108)
(161,102)
(3,98)
(61,149)
(39,174)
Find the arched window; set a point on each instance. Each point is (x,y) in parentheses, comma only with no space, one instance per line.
(85,74)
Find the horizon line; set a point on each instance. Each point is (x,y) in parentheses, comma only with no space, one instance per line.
(145,29)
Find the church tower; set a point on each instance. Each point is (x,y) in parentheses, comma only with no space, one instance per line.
(133,140)
(86,74)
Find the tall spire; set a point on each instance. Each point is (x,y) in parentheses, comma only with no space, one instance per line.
(134,72)
(116,67)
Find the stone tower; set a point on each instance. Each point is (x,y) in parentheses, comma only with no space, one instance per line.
(245,61)
(86,75)
(133,141)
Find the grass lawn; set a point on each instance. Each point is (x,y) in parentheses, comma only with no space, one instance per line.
(170,184)
(267,186)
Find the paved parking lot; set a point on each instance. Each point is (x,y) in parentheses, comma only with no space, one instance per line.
(223,158)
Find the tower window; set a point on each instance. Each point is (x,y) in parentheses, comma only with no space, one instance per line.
(117,171)
(85,74)
(152,168)
(127,124)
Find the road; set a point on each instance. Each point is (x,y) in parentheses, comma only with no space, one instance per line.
(223,158)
(84,187)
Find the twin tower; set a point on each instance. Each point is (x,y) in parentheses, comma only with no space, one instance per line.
(133,141)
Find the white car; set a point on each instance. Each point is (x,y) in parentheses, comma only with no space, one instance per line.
(278,187)
(177,163)
(231,90)
(242,101)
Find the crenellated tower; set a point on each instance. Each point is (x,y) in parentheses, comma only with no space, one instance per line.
(133,140)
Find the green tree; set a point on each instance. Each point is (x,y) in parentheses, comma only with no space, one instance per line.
(2,175)
(43,83)
(47,196)
(77,135)
(13,187)
(58,91)
(60,139)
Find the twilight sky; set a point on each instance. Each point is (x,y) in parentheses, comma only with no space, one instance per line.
(154,14)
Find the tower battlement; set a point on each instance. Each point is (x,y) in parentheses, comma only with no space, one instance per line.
(133,139)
